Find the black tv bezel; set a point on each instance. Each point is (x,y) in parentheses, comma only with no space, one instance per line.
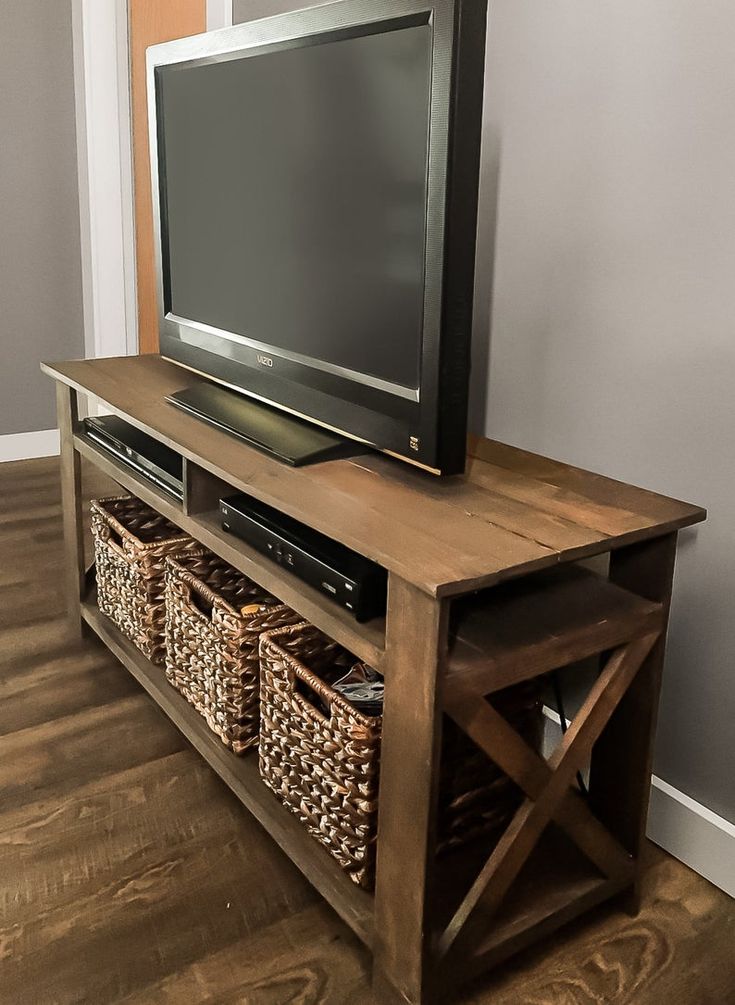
(428,427)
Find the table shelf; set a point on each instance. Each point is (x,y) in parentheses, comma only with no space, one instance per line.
(552,619)
(556,885)
(544,897)
(241,775)
(366,640)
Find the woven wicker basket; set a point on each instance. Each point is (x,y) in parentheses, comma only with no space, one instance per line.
(131,543)
(323,767)
(476,799)
(212,644)
(321,757)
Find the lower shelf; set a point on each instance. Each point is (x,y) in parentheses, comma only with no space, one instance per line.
(557,885)
(354,906)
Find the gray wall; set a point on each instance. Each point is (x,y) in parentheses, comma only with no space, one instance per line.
(40,265)
(608,224)
(606,295)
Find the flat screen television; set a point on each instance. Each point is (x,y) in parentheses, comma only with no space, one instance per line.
(315,181)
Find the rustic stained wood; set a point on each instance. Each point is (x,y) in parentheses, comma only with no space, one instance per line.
(513,849)
(74,566)
(366,641)
(513,517)
(622,762)
(426,531)
(129,872)
(551,619)
(532,774)
(409,779)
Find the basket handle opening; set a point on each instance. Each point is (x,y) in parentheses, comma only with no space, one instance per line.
(200,603)
(114,541)
(194,603)
(317,704)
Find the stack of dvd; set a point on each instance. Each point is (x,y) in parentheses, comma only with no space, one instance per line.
(363,688)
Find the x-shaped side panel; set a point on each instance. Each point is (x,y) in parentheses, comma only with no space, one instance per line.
(546,784)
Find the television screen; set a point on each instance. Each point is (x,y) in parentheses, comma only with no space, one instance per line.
(314,181)
(294,199)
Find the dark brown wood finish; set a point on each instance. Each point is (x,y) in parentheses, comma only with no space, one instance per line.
(511,517)
(202,491)
(67,412)
(518,630)
(416,648)
(130,875)
(517,843)
(622,762)
(366,640)
(532,774)
(446,537)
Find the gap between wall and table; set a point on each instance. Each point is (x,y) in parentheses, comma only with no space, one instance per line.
(686,829)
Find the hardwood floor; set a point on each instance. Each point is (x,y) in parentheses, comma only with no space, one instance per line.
(128,873)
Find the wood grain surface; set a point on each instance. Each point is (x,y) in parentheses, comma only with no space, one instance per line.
(512,513)
(130,874)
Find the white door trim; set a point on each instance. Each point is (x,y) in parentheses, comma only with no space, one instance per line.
(127,189)
(106,204)
(104,149)
(219,14)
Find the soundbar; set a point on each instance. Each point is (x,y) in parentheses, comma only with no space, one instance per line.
(349,579)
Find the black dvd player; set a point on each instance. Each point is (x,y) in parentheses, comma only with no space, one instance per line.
(151,459)
(349,579)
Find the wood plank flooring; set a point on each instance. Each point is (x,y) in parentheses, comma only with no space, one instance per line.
(128,873)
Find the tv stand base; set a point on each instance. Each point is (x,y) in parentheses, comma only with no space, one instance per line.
(286,437)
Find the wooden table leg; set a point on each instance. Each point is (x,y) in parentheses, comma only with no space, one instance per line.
(67,410)
(416,644)
(622,761)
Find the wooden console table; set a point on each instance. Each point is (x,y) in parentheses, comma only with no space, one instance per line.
(514,517)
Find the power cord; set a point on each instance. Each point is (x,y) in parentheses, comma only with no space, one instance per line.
(558,698)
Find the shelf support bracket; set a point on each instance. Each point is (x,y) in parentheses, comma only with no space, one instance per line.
(547,786)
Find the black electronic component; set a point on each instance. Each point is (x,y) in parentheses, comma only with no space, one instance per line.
(351,580)
(153,460)
(324,263)
(268,429)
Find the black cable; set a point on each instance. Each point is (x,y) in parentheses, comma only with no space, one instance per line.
(556,685)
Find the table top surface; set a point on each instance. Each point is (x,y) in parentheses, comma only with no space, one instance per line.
(512,512)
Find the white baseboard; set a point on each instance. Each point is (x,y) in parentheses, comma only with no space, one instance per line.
(25,446)
(686,829)
(693,833)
